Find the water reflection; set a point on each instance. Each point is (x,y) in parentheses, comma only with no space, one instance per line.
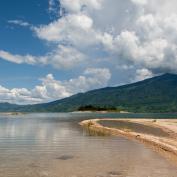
(38,146)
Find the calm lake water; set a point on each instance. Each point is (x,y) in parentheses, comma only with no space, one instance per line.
(54,145)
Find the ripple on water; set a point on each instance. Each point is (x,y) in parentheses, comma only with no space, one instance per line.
(37,147)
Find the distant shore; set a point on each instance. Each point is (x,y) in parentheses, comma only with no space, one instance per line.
(165,142)
(12,113)
(102,112)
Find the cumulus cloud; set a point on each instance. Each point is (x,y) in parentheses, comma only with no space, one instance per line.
(17,95)
(140,2)
(91,79)
(63,58)
(142,74)
(52,89)
(78,5)
(73,29)
(135,31)
(147,42)
(138,33)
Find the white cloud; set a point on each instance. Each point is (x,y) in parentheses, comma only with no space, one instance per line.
(62,58)
(52,89)
(19,22)
(140,2)
(91,79)
(142,74)
(52,4)
(138,33)
(74,29)
(78,5)
(17,95)
(145,42)
(17,58)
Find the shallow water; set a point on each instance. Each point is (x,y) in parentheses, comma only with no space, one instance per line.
(136,127)
(54,145)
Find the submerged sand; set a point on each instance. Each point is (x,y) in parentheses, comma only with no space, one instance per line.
(161,135)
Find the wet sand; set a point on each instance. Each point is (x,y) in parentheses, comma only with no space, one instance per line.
(161,135)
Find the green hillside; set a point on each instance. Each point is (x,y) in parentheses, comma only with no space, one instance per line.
(158,94)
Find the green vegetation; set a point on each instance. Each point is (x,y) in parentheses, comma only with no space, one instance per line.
(158,94)
(96,108)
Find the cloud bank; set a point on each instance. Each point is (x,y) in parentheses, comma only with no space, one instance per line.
(51,89)
(133,31)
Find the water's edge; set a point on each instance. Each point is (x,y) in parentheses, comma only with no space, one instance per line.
(161,144)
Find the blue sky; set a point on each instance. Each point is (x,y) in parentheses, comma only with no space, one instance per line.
(19,40)
(51,49)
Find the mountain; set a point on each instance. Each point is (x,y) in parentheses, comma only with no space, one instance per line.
(8,107)
(157,94)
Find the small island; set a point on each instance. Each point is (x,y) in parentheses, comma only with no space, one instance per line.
(93,108)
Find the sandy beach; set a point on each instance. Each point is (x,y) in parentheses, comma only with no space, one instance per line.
(160,135)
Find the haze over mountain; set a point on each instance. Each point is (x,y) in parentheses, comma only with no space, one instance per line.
(157,94)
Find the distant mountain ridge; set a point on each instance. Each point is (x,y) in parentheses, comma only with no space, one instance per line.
(157,94)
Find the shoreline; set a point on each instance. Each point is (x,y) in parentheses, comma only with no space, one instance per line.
(12,113)
(165,146)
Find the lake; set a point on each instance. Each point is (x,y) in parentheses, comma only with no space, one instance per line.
(54,145)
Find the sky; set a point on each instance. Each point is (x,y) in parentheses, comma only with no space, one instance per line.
(52,49)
